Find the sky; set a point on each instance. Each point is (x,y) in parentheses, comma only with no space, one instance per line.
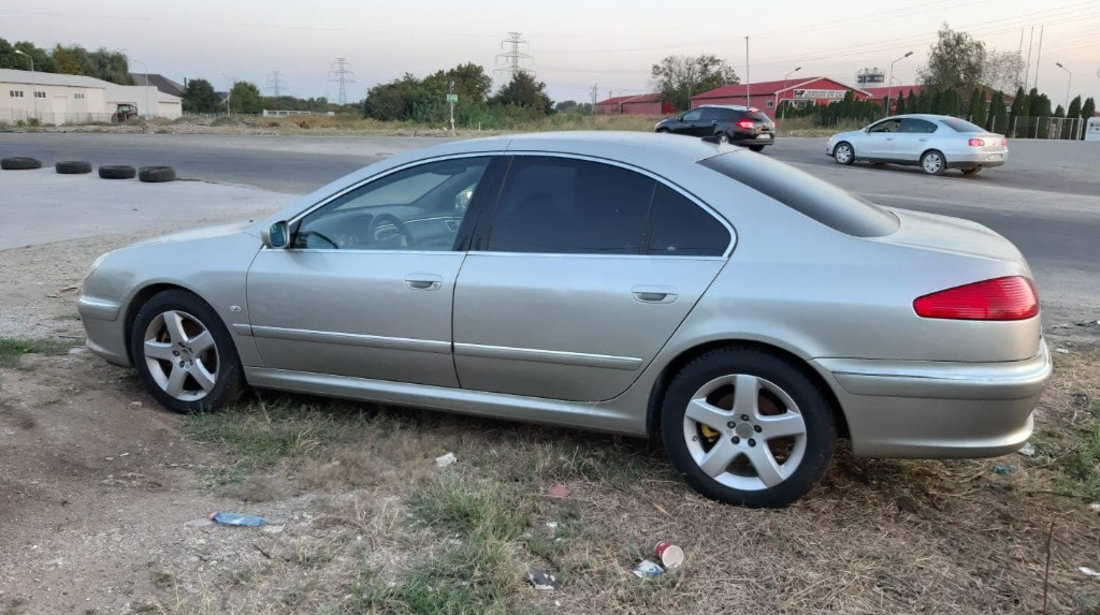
(574,45)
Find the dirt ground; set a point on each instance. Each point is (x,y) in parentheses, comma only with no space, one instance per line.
(104,511)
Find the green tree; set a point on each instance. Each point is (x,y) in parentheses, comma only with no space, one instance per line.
(911,103)
(1088,109)
(900,108)
(1017,116)
(680,77)
(199,97)
(1072,127)
(525,92)
(956,62)
(997,119)
(43,63)
(64,61)
(245,98)
(390,101)
(976,109)
(472,84)
(1002,70)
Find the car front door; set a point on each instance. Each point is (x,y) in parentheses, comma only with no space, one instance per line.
(578,278)
(366,286)
(878,141)
(692,123)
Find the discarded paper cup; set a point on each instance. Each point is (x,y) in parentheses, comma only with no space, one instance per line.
(670,555)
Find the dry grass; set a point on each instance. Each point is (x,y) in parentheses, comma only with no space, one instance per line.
(395,534)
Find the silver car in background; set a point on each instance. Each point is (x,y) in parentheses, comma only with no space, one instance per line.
(933,142)
(743,311)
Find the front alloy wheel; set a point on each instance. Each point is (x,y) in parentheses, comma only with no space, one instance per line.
(184,354)
(932,163)
(844,154)
(747,427)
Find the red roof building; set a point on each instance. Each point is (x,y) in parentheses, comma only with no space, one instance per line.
(638,104)
(769,96)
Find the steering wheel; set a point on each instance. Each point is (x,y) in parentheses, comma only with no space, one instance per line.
(378,233)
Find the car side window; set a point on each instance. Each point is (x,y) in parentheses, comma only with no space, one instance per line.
(711,114)
(419,208)
(682,228)
(913,125)
(886,126)
(692,116)
(568,206)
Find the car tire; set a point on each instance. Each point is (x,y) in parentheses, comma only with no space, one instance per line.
(742,456)
(157,174)
(972,171)
(843,153)
(73,167)
(756,148)
(663,131)
(117,171)
(184,354)
(19,163)
(932,162)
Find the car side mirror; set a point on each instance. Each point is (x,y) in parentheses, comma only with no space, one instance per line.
(277,236)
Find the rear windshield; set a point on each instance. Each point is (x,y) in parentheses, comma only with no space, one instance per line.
(962,125)
(759,117)
(806,194)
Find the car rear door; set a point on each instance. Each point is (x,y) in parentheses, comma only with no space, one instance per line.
(579,276)
(365,289)
(911,140)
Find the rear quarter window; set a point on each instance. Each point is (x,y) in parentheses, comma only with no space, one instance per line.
(806,194)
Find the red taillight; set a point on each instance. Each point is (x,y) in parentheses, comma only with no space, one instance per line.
(976,143)
(746,124)
(1004,142)
(1010,298)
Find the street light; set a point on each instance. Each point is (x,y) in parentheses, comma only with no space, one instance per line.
(796,69)
(34,82)
(146,73)
(890,81)
(1069,80)
(228,91)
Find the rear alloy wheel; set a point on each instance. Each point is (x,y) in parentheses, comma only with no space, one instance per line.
(756,148)
(663,131)
(747,427)
(933,163)
(972,171)
(724,138)
(184,354)
(843,153)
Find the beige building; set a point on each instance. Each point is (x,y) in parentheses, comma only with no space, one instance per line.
(70,99)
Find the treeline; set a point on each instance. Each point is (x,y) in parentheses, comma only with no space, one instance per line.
(71,60)
(412,99)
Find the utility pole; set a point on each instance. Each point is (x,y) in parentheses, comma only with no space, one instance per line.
(1027,69)
(1039,56)
(341,74)
(451,99)
(595,95)
(748,79)
(513,58)
(275,83)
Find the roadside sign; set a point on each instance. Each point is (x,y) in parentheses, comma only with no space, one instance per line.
(452,98)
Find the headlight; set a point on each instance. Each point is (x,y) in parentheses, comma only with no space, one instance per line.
(96,263)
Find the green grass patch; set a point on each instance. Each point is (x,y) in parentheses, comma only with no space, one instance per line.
(12,348)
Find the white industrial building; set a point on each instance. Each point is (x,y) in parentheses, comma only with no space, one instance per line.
(55,98)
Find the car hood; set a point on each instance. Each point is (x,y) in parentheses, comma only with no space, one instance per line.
(851,134)
(953,235)
(209,232)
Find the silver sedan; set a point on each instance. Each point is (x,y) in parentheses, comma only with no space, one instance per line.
(933,142)
(747,313)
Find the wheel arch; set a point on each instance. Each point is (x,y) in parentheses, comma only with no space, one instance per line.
(139,299)
(657,393)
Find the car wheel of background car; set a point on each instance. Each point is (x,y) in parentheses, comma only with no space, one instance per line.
(117,171)
(972,171)
(932,162)
(747,427)
(184,354)
(756,148)
(843,153)
(19,163)
(662,130)
(724,139)
(73,167)
(156,174)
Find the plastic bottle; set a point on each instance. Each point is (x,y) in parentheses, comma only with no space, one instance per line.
(230,518)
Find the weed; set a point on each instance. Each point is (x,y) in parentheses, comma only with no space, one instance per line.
(12,348)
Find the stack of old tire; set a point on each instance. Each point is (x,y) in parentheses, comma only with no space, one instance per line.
(151,174)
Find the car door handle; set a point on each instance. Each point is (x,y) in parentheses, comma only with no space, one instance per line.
(889,138)
(654,294)
(423,281)
(923,140)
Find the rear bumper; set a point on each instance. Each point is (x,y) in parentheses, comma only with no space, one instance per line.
(977,158)
(938,409)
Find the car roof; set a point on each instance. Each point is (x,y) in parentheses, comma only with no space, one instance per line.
(922,116)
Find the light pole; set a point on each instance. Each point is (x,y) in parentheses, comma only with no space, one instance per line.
(796,69)
(1069,80)
(890,81)
(146,73)
(34,81)
(228,91)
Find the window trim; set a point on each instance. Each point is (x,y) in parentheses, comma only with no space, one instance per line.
(295,221)
(480,239)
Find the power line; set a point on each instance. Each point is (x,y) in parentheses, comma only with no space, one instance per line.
(513,58)
(342,75)
(275,83)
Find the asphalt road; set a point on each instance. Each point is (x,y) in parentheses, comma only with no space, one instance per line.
(1046,199)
